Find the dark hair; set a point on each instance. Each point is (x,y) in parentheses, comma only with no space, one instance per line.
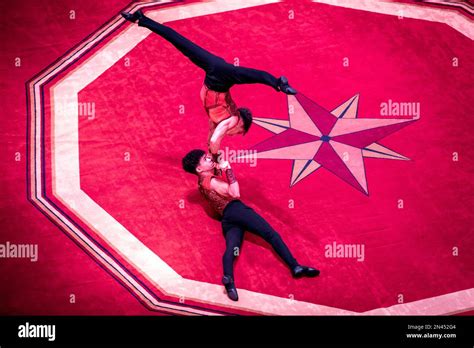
(246,116)
(191,160)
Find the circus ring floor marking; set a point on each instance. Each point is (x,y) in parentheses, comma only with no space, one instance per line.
(66,188)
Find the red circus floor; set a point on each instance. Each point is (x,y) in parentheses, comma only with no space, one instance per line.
(137,101)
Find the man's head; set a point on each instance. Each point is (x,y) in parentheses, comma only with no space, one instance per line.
(198,161)
(245,121)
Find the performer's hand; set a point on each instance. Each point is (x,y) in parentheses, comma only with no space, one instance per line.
(215,156)
(223,165)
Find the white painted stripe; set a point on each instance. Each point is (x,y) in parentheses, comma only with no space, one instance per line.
(453,303)
(454,19)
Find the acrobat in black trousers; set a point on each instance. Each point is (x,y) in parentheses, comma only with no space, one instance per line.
(238,218)
(220,75)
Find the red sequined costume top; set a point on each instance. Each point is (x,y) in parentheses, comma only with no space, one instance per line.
(217,201)
(218,105)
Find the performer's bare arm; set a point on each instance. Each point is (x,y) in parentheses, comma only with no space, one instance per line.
(219,133)
(212,128)
(229,188)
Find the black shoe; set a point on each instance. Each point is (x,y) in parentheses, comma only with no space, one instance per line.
(230,288)
(132,17)
(304,271)
(285,87)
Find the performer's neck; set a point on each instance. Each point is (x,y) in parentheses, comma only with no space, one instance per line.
(207,173)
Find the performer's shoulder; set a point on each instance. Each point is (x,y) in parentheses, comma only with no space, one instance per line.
(205,181)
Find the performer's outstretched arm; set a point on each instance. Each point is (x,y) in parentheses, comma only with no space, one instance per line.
(219,133)
(212,128)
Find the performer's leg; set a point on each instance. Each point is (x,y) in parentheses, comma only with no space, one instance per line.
(196,54)
(243,75)
(220,75)
(254,223)
(233,239)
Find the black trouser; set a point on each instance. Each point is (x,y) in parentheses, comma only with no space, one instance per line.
(238,218)
(220,75)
